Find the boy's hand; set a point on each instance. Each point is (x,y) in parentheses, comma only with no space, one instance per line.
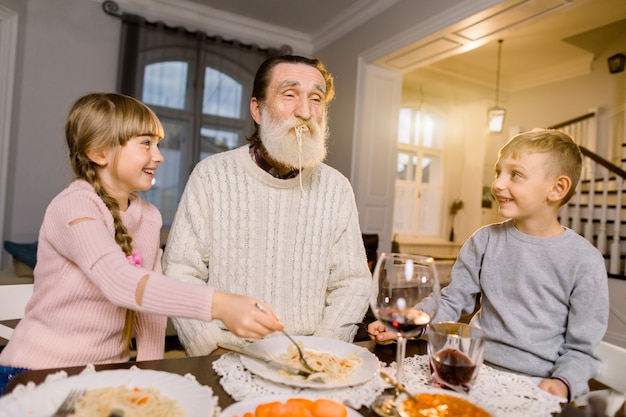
(554,387)
(380,334)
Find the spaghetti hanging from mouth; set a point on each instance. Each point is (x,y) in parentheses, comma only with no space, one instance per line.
(299,129)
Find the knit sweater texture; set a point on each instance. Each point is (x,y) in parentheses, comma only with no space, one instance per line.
(240,230)
(544,302)
(84,284)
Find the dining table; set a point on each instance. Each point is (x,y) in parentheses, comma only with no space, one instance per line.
(203,369)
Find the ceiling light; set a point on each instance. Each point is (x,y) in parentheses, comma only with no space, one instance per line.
(496,114)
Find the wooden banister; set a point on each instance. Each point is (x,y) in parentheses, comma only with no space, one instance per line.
(573,121)
(604,162)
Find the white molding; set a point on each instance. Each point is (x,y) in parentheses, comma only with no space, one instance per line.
(615,338)
(573,68)
(434,24)
(349,19)
(215,22)
(194,16)
(8,53)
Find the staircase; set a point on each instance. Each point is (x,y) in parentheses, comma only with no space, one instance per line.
(596,211)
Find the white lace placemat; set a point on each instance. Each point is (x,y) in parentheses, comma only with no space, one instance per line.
(504,394)
(241,384)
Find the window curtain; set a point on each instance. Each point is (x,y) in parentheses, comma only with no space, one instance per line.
(141,36)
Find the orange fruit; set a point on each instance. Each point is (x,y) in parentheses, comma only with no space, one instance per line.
(265,409)
(328,408)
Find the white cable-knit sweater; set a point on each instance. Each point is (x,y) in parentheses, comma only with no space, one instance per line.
(240,230)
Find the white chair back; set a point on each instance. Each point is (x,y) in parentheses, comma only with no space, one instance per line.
(13,299)
(613,372)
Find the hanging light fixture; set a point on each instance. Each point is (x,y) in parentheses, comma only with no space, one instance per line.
(495,115)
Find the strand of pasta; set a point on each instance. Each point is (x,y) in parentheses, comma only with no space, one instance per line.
(299,129)
(328,366)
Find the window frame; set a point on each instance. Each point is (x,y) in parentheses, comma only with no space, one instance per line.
(192,115)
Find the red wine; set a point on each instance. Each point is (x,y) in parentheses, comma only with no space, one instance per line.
(408,322)
(454,367)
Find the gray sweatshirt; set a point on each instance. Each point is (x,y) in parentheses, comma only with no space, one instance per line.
(544,302)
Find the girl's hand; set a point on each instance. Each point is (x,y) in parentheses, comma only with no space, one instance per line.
(244,316)
(379,333)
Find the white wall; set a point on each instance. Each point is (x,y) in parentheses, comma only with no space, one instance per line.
(70,47)
(341,58)
(554,103)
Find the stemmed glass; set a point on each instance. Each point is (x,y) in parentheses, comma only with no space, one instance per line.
(404,297)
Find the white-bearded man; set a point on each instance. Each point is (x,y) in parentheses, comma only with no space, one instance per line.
(271,220)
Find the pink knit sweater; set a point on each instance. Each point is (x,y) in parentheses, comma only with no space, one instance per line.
(84,284)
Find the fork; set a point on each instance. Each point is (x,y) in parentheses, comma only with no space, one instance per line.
(300,353)
(67,406)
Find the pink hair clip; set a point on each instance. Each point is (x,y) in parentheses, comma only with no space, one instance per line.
(134,259)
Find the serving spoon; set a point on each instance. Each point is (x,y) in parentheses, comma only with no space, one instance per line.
(400,387)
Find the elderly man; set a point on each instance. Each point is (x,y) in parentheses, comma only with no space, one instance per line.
(271,220)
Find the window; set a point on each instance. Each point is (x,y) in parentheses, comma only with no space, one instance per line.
(418,193)
(200,89)
(192,132)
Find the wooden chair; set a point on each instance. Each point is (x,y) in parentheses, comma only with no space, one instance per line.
(13,299)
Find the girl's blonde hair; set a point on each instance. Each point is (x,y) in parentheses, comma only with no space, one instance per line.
(100,121)
(564,154)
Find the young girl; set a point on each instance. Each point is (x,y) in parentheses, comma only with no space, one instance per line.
(98,277)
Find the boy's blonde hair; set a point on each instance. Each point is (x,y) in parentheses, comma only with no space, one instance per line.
(100,121)
(564,155)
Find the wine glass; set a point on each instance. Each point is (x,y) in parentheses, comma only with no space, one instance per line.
(404,297)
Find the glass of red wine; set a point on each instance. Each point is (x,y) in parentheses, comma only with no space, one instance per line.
(404,297)
(455,351)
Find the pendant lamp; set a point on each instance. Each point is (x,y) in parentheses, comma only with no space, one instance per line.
(495,115)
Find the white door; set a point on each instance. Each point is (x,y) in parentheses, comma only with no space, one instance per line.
(374,153)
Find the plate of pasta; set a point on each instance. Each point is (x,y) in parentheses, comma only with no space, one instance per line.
(338,364)
(134,391)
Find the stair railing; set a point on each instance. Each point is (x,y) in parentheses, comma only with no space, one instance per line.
(599,176)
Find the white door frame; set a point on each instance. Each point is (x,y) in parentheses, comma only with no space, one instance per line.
(8,53)
(374,149)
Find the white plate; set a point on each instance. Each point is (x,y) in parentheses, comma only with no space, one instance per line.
(403,397)
(239,408)
(273,347)
(197,400)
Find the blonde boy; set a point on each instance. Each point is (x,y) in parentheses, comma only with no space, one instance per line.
(543,287)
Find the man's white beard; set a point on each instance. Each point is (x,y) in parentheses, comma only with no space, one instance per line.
(280,142)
